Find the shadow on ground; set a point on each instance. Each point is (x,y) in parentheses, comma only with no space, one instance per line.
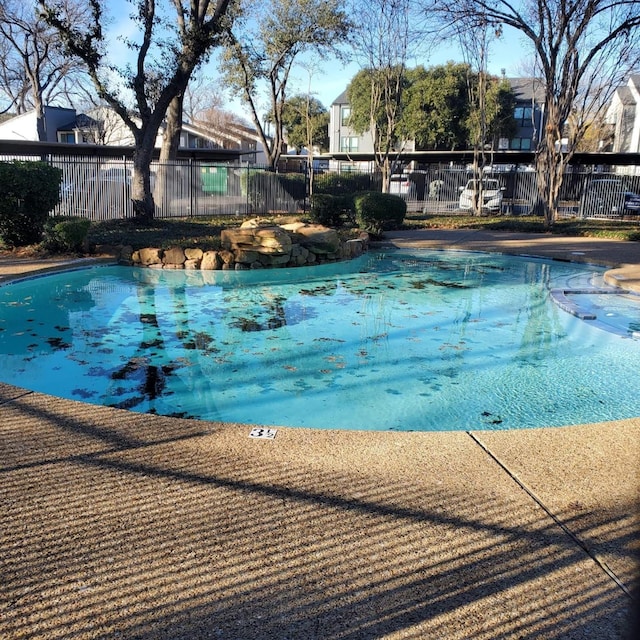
(122,525)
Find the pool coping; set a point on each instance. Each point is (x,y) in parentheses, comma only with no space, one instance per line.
(496,534)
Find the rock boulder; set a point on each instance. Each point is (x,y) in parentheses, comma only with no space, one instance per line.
(314,237)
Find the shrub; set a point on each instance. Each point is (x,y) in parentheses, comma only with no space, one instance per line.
(295,184)
(330,211)
(265,188)
(66,234)
(379,212)
(28,192)
(345,183)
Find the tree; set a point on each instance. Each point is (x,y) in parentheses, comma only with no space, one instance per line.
(437,112)
(383,43)
(583,49)
(306,122)
(436,107)
(598,132)
(307,126)
(375,98)
(266,44)
(34,70)
(220,120)
(201,94)
(486,96)
(165,59)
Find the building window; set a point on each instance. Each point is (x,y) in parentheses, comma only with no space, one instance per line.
(523,116)
(68,137)
(520,144)
(349,144)
(345,114)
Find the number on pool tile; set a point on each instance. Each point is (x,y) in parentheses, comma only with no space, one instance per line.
(265,434)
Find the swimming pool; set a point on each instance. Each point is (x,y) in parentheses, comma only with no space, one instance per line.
(395,340)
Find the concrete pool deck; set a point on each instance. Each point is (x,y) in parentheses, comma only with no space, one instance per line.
(121,525)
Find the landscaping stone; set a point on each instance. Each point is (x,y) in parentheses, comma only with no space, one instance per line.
(271,239)
(257,244)
(173,256)
(321,240)
(246,257)
(211,261)
(227,257)
(193,253)
(149,256)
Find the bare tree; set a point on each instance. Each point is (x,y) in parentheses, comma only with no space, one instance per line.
(103,125)
(486,96)
(35,70)
(165,58)
(386,37)
(474,41)
(266,44)
(219,119)
(202,94)
(583,49)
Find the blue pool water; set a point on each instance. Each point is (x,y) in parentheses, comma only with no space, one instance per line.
(402,340)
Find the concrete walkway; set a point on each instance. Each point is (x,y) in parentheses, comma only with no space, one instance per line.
(120,525)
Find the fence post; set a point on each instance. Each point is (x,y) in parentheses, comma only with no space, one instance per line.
(307,183)
(125,182)
(191,188)
(247,190)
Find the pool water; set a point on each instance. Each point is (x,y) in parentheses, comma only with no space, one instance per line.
(618,312)
(397,340)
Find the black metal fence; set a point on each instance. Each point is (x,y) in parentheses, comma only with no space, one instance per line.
(99,187)
(585,193)
(102,190)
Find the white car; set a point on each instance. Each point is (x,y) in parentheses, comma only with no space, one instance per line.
(491,194)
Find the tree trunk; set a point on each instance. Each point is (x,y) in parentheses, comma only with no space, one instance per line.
(171,137)
(141,196)
(41,127)
(168,153)
(551,161)
(478,185)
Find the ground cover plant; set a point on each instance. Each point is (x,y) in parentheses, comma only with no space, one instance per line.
(614,229)
(205,232)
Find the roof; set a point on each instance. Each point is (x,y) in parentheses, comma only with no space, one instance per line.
(498,157)
(36,149)
(528,89)
(341,99)
(82,121)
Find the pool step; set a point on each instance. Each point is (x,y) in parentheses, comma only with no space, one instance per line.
(559,296)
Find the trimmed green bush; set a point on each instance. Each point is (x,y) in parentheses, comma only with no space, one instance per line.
(66,234)
(379,212)
(330,211)
(264,187)
(28,192)
(345,184)
(295,184)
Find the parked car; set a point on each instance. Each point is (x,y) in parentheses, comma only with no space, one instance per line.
(119,175)
(401,185)
(606,196)
(491,195)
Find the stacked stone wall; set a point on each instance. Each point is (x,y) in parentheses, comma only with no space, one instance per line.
(255,245)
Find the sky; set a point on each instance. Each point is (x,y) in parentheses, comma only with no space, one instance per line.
(330,76)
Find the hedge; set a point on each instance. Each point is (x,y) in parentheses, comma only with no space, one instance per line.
(379,212)
(28,192)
